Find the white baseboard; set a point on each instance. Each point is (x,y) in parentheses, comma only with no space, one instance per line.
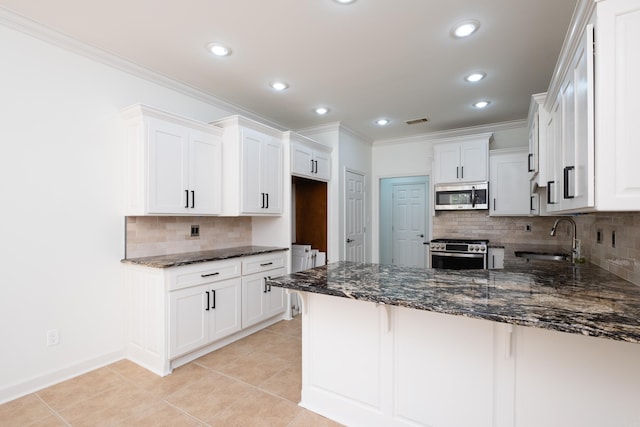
(33,384)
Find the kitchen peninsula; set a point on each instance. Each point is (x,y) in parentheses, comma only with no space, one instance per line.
(549,344)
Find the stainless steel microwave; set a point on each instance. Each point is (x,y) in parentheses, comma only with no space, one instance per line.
(467,196)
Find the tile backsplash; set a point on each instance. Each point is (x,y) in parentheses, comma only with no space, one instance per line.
(623,260)
(151,235)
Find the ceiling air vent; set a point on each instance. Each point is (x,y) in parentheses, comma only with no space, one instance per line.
(417,121)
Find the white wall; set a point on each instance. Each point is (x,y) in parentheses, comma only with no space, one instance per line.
(62,225)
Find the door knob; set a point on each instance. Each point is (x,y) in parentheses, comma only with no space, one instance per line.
(421,235)
(349,240)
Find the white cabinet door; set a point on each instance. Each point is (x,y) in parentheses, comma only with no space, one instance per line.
(167,167)
(205,173)
(473,161)
(509,183)
(253,200)
(447,158)
(253,300)
(272,175)
(302,160)
(495,258)
(259,301)
(225,313)
(554,154)
(262,173)
(188,319)
(322,166)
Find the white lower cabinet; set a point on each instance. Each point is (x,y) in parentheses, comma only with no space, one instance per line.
(203,314)
(495,258)
(180,313)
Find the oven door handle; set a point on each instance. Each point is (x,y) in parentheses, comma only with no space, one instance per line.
(457,255)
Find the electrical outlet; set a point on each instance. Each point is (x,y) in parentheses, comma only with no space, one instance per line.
(195,230)
(527,227)
(613,239)
(53,337)
(599,236)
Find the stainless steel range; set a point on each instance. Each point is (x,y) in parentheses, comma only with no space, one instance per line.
(458,254)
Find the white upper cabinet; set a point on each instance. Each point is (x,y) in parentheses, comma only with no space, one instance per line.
(461,159)
(253,168)
(509,182)
(593,106)
(174,164)
(308,158)
(537,139)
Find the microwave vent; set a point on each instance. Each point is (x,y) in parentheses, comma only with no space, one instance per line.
(417,121)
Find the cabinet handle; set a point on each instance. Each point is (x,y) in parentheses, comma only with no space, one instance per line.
(457,172)
(311,166)
(531,204)
(529,167)
(494,203)
(264,264)
(549,192)
(316,166)
(264,291)
(213,293)
(186,192)
(210,274)
(569,178)
(262,207)
(461,171)
(207,292)
(193,199)
(267,207)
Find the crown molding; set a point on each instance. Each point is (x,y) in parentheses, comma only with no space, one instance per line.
(453,133)
(32,28)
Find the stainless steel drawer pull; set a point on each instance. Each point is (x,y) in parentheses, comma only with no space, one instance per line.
(264,264)
(210,274)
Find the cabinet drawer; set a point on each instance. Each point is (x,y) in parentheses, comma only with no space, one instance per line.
(197,274)
(256,264)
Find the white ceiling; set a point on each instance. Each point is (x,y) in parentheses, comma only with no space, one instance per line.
(372,59)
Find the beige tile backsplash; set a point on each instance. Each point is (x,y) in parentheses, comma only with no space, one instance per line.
(623,260)
(151,235)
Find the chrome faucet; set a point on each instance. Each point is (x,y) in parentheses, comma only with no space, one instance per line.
(574,241)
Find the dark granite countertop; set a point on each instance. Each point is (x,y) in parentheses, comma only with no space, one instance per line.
(175,260)
(583,299)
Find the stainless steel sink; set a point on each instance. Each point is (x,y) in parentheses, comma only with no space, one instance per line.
(544,256)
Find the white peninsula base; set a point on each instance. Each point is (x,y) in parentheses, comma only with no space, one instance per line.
(366,364)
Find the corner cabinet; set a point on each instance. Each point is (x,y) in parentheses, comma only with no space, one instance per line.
(461,159)
(509,189)
(174,164)
(592,103)
(253,168)
(308,158)
(178,314)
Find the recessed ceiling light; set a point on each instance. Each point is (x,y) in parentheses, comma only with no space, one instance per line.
(219,50)
(279,85)
(481,104)
(321,111)
(466,28)
(475,77)
(382,122)
(345,1)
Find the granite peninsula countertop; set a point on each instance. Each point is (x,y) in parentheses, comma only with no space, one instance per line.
(584,299)
(176,260)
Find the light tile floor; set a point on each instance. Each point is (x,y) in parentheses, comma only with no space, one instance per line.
(253,382)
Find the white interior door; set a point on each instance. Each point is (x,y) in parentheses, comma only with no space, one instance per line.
(355,219)
(409,225)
